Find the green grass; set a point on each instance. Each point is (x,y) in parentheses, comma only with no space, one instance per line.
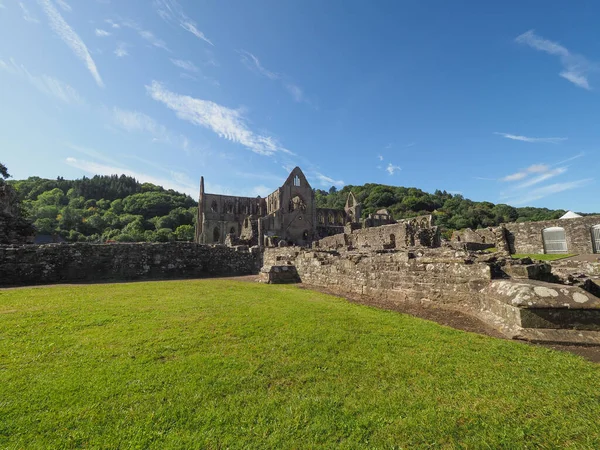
(224,364)
(542,257)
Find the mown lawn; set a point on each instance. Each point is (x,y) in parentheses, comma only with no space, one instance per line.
(542,256)
(225,364)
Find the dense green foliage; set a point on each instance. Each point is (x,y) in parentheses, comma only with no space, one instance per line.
(225,364)
(452,212)
(106,208)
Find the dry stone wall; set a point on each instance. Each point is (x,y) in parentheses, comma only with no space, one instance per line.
(436,275)
(67,263)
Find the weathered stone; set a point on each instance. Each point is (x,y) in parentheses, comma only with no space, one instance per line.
(66,263)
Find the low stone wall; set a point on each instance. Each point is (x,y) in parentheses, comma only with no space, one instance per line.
(520,299)
(526,237)
(67,263)
(438,275)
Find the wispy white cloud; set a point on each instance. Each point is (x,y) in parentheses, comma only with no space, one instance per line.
(535,168)
(102,33)
(544,191)
(575,67)
(175,182)
(526,191)
(392,169)
(121,50)
(64,5)
(27,15)
(548,140)
(112,23)
(185,65)
(147,35)
(73,41)
(138,122)
(328,181)
(543,177)
(254,64)
(227,123)
(2,5)
(44,83)
(171,11)
(380,157)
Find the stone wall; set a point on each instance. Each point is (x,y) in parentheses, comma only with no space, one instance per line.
(67,263)
(440,275)
(412,232)
(520,299)
(526,237)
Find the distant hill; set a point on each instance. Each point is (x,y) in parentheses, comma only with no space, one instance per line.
(452,212)
(106,208)
(119,208)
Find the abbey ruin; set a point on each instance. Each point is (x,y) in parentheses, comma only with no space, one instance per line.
(289,214)
(285,238)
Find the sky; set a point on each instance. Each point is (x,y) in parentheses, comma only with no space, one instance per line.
(495,101)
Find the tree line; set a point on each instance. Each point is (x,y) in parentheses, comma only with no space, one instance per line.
(451,211)
(106,208)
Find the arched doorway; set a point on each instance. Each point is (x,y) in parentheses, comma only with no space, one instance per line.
(216,234)
(555,240)
(596,238)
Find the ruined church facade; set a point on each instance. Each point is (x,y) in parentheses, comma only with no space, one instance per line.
(288,214)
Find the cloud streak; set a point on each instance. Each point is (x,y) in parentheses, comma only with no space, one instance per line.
(227,123)
(575,67)
(171,11)
(544,191)
(516,137)
(45,83)
(102,33)
(137,122)
(185,65)
(328,181)
(254,64)
(27,15)
(69,37)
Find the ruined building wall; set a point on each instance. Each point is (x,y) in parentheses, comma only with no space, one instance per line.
(436,274)
(418,231)
(68,263)
(526,237)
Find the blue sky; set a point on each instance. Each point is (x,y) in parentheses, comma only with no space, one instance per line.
(494,100)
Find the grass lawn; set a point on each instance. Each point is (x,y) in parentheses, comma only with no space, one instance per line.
(224,364)
(542,257)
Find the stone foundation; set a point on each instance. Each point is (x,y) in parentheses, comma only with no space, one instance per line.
(514,296)
(83,262)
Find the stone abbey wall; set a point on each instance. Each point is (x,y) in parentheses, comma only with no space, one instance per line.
(68,263)
(417,231)
(526,237)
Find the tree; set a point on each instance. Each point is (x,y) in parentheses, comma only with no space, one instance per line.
(184,233)
(4,171)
